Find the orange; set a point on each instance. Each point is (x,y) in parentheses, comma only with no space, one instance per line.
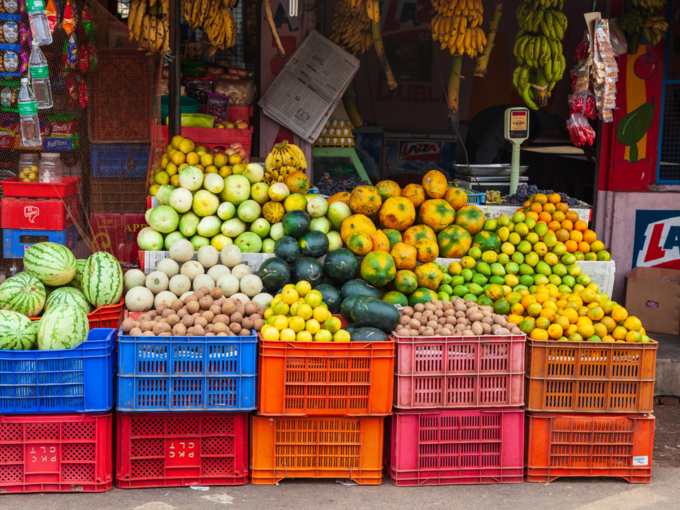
(600,329)
(562,235)
(554,226)
(609,323)
(581,225)
(562,207)
(567,225)
(561,303)
(586,330)
(554,198)
(608,338)
(584,320)
(544,216)
(582,311)
(527,300)
(515,319)
(632,323)
(541,296)
(536,207)
(534,309)
(576,236)
(549,208)
(549,314)
(562,322)
(559,216)
(541,198)
(619,314)
(619,333)
(571,246)
(527,203)
(583,247)
(571,315)
(571,330)
(555,331)
(532,215)
(550,305)
(539,334)
(588,295)
(542,323)
(571,216)
(517,309)
(589,236)
(633,336)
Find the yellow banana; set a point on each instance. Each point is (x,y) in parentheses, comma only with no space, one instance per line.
(139,17)
(131,17)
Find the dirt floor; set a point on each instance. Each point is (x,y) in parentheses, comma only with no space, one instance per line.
(667,436)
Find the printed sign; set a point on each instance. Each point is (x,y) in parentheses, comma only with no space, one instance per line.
(420,151)
(657,239)
(641,461)
(31,212)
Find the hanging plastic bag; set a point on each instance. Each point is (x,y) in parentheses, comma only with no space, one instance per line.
(580,131)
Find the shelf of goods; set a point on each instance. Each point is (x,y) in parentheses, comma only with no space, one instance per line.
(181,449)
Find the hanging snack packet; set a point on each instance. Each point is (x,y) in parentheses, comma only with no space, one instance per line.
(73,88)
(9,6)
(84,58)
(9,93)
(70,52)
(70,18)
(10,62)
(87,22)
(82,94)
(10,32)
(52,11)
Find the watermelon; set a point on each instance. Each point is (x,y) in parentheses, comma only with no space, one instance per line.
(341,265)
(296,223)
(17,332)
(287,248)
(68,296)
(330,296)
(307,269)
(274,273)
(314,244)
(51,263)
(24,294)
(102,279)
(78,278)
(62,327)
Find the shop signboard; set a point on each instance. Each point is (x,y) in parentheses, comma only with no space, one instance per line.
(657,239)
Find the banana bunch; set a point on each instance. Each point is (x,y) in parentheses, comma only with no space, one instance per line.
(457,26)
(348,28)
(649,4)
(632,21)
(284,159)
(538,49)
(148,24)
(369,7)
(655,29)
(215,19)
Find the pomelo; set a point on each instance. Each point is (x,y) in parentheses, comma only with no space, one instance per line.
(163,219)
(150,240)
(191,178)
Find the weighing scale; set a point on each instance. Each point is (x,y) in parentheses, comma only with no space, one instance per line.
(482,184)
(516,132)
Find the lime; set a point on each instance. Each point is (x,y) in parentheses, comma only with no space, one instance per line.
(503,258)
(503,220)
(475,252)
(483,268)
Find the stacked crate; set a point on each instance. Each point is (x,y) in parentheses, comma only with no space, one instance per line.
(458,418)
(56,419)
(34,212)
(589,410)
(321,409)
(183,405)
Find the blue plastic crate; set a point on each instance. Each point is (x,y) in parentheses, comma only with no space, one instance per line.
(476,198)
(120,160)
(16,241)
(187,373)
(78,380)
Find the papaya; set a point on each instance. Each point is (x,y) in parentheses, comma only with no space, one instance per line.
(454,242)
(422,296)
(415,193)
(354,224)
(471,218)
(365,200)
(388,189)
(435,184)
(404,255)
(417,232)
(343,197)
(360,244)
(405,281)
(378,268)
(297,182)
(436,214)
(380,241)
(429,276)
(394,236)
(397,213)
(426,250)
(456,198)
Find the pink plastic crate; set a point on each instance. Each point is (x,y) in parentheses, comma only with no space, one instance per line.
(459,371)
(462,446)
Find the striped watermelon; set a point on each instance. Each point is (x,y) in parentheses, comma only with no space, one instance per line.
(68,296)
(24,294)
(51,263)
(102,279)
(17,332)
(78,278)
(62,327)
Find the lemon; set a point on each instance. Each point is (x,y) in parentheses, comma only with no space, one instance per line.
(280,322)
(468,262)
(297,324)
(206,160)
(276,299)
(305,311)
(281,308)
(270,333)
(180,167)
(287,335)
(321,314)
(162,178)
(323,336)
(176,140)
(313,326)
(341,336)
(290,296)
(303,288)
(333,324)
(211,169)
(164,161)
(313,298)
(171,169)
(178,158)
(268,312)
(153,190)
(174,181)
(304,336)
(192,158)
(294,308)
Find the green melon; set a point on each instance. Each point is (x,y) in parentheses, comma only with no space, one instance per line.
(24,294)
(274,273)
(17,332)
(51,263)
(68,296)
(102,280)
(62,327)
(341,265)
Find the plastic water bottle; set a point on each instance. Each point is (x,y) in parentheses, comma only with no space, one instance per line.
(40,28)
(40,78)
(28,113)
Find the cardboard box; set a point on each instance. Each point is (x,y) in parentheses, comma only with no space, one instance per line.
(117,235)
(653,296)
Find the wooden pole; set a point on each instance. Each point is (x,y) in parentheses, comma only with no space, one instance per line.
(483,60)
(454,89)
(174,84)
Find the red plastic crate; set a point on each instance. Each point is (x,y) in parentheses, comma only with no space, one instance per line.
(589,445)
(15,187)
(109,316)
(459,371)
(462,446)
(181,449)
(55,453)
(214,137)
(39,214)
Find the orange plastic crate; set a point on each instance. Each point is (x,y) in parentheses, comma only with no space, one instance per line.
(325,379)
(587,377)
(587,445)
(350,448)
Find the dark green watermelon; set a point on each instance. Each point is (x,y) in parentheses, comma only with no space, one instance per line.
(370,312)
(287,248)
(296,223)
(359,287)
(314,244)
(331,296)
(307,269)
(274,273)
(351,327)
(341,265)
(347,305)
(367,335)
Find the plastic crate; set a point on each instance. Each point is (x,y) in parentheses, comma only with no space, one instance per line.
(17,241)
(55,453)
(211,138)
(589,445)
(457,371)
(349,448)
(15,187)
(78,380)
(325,379)
(38,214)
(180,449)
(110,316)
(588,377)
(186,373)
(470,446)
(476,198)
(129,161)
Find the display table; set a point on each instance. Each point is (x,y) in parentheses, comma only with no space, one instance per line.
(495,210)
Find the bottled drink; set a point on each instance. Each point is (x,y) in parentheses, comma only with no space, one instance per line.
(40,28)
(40,78)
(28,113)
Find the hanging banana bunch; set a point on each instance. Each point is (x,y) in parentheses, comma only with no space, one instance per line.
(215,19)
(639,18)
(538,50)
(457,26)
(148,24)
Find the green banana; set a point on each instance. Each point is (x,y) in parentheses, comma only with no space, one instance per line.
(538,18)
